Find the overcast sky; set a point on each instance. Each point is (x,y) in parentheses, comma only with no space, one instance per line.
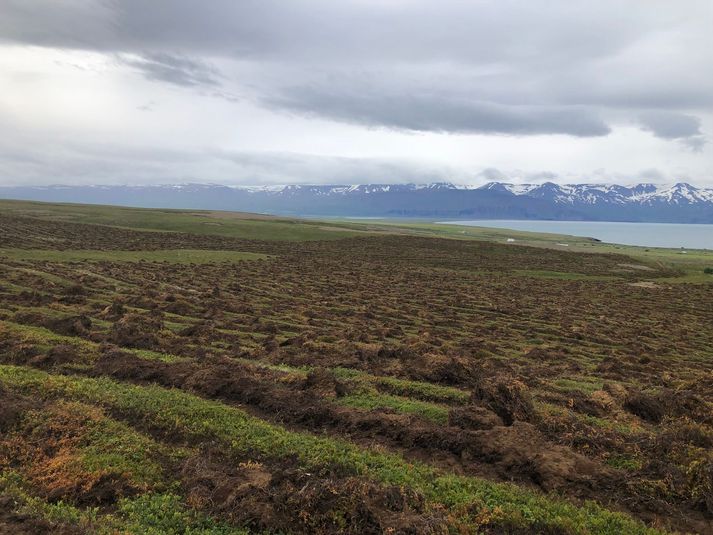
(355,91)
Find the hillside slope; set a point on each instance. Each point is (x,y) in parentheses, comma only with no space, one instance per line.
(273,375)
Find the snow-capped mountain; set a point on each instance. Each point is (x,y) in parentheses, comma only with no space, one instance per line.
(681,202)
(592,194)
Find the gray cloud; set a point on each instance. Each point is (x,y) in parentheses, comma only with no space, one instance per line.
(492,174)
(419,112)
(695,143)
(26,158)
(551,63)
(493,67)
(73,163)
(670,125)
(418,30)
(173,69)
(82,24)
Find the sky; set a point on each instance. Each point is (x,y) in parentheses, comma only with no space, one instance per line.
(355,91)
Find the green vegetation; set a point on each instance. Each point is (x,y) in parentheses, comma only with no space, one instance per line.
(104,445)
(624,462)
(250,226)
(584,384)
(403,387)
(177,412)
(166,513)
(151,513)
(152,381)
(13,486)
(374,400)
(260,227)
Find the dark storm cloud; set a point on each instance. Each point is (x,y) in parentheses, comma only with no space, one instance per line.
(509,67)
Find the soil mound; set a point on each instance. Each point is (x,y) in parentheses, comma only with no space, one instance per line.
(284,498)
(136,330)
(507,397)
(473,417)
(113,311)
(323,382)
(645,406)
(452,371)
(521,448)
(57,355)
(12,406)
(71,326)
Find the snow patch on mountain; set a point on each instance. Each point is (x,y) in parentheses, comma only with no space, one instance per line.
(575,194)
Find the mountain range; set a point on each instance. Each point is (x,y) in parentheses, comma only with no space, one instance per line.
(678,203)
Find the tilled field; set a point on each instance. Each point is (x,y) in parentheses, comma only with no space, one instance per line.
(372,384)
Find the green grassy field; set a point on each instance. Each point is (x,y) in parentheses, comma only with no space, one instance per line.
(250,226)
(261,227)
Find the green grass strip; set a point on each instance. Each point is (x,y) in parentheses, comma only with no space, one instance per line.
(146,514)
(375,400)
(191,416)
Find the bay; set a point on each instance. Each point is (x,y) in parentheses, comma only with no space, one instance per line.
(671,235)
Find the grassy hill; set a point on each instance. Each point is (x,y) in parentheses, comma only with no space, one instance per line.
(172,371)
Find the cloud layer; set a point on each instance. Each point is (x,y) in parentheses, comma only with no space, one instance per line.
(486,69)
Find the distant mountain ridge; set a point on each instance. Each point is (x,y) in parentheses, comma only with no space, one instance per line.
(680,193)
(679,203)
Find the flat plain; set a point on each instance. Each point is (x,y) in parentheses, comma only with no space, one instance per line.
(206,372)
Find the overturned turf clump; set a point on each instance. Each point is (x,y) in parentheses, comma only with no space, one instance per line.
(114,310)
(136,330)
(72,326)
(323,382)
(441,369)
(686,404)
(287,498)
(12,406)
(57,355)
(645,406)
(473,417)
(204,330)
(507,397)
(522,449)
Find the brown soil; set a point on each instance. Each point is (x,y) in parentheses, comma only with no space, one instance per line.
(285,498)
(521,454)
